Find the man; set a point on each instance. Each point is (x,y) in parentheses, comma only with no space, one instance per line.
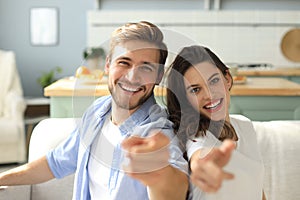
(124,147)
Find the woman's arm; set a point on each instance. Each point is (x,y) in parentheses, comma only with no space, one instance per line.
(207,173)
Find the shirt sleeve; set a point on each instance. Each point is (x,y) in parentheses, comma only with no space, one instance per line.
(63,159)
(176,156)
(206,142)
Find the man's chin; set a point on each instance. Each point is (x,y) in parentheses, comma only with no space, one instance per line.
(129,105)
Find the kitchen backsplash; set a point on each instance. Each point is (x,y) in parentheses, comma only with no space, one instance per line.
(236,36)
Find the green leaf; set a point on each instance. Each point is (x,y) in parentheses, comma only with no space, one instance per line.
(48,78)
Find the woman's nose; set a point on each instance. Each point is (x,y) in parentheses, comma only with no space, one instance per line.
(207,92)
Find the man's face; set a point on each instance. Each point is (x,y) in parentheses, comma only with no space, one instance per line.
(132,72)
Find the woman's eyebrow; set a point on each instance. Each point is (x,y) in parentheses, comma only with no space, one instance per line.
(212,76)
(191,86)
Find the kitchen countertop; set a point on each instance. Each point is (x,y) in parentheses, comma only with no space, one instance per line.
(266,87)
(71,86)
(276,71)
(252,87)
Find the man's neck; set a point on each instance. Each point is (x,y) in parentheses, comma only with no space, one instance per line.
(119,115)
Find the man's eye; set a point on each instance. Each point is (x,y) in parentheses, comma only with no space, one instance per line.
(147,68)
(123,63)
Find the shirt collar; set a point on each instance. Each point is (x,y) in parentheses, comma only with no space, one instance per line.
(137,117)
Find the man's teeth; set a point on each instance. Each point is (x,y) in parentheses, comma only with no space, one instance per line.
(212,105)
(130,89)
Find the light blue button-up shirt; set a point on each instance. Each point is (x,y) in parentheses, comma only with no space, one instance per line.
(73,154)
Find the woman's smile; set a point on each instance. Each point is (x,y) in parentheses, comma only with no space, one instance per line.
(213,106)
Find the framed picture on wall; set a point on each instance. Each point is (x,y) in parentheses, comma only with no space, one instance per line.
(44,26)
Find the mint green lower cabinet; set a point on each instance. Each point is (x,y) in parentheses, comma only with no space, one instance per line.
(65,106)
(265,108)
(62,107)
(295,79)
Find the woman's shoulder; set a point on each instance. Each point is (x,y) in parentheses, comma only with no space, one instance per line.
(239,118)
(241,123)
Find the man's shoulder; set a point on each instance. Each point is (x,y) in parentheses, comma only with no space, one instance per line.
(99,107)
(101,100)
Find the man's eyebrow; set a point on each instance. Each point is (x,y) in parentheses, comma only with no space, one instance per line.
(150,63)
(124,58)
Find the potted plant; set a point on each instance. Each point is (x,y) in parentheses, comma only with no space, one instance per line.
(95,57)
(49,77)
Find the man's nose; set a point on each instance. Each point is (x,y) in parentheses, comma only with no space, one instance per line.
(133,74)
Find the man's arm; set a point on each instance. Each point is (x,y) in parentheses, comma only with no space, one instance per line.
(149,164)
(37,171)
(167,183)
(263,196)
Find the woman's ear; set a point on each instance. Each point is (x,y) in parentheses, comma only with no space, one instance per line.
(229,80)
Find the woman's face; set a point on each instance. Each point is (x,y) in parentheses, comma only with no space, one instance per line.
(207,90)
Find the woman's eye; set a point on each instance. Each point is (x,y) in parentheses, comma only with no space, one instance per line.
(194,90)
(214,80)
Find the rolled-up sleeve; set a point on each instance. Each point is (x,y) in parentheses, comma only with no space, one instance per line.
(63,159)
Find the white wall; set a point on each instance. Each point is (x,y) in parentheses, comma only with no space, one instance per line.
(33,60)
(236,36)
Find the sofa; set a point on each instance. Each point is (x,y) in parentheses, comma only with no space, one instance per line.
(12,108)
(279,143)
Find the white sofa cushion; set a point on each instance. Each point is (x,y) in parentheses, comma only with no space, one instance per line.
(48,134)
(12,107)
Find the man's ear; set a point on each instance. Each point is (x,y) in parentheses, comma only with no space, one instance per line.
(229,80)
(107,65)
(159,77)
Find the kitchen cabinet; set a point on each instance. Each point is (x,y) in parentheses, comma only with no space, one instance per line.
(259,98)
(295,79)
(264,99)
(292,74)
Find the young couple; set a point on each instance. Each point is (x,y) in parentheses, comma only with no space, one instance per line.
(126,146)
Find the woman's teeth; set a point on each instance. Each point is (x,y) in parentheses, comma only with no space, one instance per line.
(212,105)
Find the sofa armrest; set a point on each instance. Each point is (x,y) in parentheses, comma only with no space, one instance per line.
(14,106)
(45,136)
(48,133)
(279,145)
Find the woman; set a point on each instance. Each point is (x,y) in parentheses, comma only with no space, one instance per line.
(198,99)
